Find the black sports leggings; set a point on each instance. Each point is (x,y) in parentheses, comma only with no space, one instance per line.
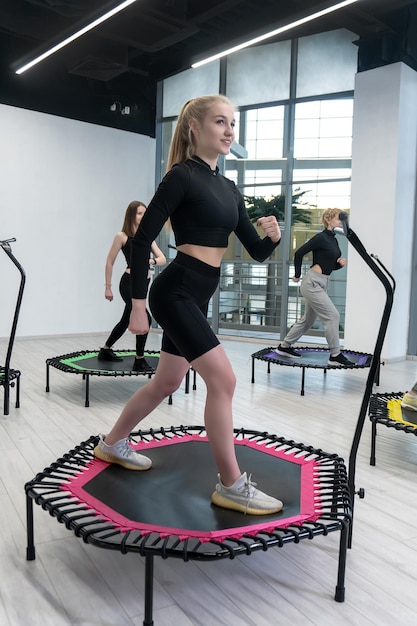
(122,326)
(179,298)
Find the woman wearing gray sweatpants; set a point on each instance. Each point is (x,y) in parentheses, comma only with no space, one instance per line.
(314,286)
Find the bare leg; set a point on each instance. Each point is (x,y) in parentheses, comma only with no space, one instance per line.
(215,369)
(168,377)
(234,490)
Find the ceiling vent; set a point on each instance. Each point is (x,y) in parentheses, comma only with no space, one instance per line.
(101,64)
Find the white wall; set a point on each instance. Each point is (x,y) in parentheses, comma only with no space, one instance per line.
(64,189)
(384,166)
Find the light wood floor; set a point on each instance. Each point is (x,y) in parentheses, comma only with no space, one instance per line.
(71,583)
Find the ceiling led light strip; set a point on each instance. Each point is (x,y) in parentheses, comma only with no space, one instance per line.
(75,36)
(277,31)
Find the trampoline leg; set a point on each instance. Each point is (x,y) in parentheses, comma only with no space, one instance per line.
(6,397)
(170,399)
(194,380)
(373,444)
(148,621)
(17,405)
(187,382)
(47,377)
(253,370)
(377,373)
(30,548)
(303,375)
(340,587)
(87,390)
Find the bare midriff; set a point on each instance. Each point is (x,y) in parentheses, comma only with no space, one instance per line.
(211,256)
(317,268)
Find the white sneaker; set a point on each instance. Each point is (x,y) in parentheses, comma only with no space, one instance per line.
(122,454)
(243,496)
(409,402)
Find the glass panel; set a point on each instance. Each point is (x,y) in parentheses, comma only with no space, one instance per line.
(237,125)
(264,132)
(231,175)
(309,110)
(327,63)
(168,129)
(306,128)
(259,74)
(326,195)
(336,127)
(189,84)
(303,172)
(336,147)
(323,130)
(250,296)
(336,108)
(232,154)
(256,182)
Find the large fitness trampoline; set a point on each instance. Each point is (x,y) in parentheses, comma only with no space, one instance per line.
(10,377)
(86,363)
(116,509)
(315,358)
(386,409)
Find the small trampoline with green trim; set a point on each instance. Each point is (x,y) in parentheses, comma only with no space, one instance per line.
(86,363)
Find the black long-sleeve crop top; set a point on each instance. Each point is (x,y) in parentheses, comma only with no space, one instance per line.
(325,251)
(204,208)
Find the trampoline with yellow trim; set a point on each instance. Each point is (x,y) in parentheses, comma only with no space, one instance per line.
(386,409)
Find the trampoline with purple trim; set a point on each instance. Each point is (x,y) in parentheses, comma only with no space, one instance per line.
(315,358)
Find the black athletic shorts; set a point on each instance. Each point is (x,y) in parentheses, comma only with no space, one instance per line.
(178,299)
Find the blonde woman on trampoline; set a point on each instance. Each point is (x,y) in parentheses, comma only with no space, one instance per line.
(204,208)
(327,257)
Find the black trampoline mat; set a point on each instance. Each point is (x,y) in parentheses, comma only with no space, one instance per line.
(174,495)
(409,416)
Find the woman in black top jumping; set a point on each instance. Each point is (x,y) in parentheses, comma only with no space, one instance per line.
(203,208)
(327,257)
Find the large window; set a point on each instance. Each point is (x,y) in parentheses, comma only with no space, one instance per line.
(323,129)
